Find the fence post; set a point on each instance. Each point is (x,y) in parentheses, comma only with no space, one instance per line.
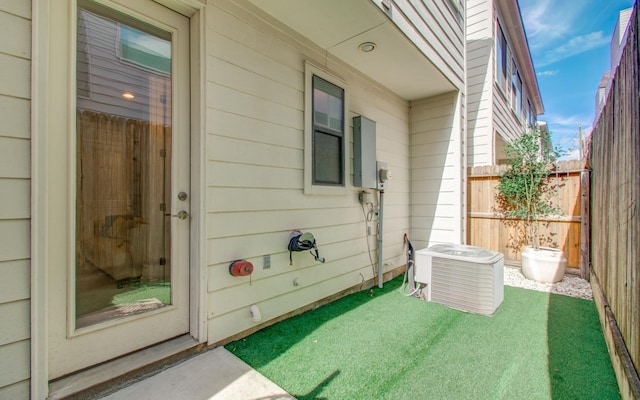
(585,223)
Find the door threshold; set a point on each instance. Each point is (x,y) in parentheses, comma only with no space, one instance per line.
(110,376)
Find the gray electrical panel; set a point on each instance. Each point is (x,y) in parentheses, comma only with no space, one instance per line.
(364,153)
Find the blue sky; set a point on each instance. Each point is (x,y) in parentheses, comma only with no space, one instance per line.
(569,42)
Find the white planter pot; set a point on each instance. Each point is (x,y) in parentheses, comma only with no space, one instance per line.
(543,264)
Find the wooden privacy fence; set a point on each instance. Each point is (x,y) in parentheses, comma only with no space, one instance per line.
(486,229)
(615,188)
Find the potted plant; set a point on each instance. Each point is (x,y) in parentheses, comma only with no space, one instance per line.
(524,196)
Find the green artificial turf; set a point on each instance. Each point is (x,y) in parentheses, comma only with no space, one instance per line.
(389,346)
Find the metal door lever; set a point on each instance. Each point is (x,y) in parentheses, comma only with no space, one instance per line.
(182,214)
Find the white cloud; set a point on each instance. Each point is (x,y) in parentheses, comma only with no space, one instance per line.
(574,46)
(549,21)
(568,120)
(564,129)
(558,30)
(548,73)
(570,155)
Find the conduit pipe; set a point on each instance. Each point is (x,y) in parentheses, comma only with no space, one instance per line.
(380,220)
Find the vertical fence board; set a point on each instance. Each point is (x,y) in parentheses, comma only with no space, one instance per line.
(486,229)
(615,213)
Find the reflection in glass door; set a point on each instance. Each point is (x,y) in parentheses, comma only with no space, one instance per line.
(124,152)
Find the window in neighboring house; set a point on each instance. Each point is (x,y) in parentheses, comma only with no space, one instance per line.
(154,54)
(501,56)
(516,90)
(328,133)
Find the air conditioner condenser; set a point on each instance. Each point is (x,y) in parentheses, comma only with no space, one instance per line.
(462,277)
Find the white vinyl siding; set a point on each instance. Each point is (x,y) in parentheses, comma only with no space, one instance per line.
(255,181)
(254,178)
(15,175)
(504,119)
(494,106)
(480,81)
(436,29)
(436,172)
(507,105)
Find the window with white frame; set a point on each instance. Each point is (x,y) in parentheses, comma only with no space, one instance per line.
(325,127)
(516,90)
(501,56)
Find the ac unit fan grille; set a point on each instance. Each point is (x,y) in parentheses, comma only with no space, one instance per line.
(467,286)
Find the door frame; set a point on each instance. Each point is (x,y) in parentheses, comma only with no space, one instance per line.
(53,109)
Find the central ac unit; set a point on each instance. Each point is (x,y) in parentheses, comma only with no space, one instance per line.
(463,277)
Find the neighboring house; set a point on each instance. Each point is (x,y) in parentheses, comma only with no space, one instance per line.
(618,40)
(619,37)
(503,98)
(545,136)
(146,145)
(601,93)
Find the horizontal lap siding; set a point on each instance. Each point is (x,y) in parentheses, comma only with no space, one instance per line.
(255,181)
(507,123)
(436,191)
(15,148)
(437,31)
(480,77)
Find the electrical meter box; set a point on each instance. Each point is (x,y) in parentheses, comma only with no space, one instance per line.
(365,172)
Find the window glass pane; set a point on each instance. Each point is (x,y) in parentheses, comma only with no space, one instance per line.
(498,61)
(532,116)
(501,56)
(123,176)
(328,133)
(320,107)
(327,87)
(335,113)
(327,104)
(516,85)
(327,158)
(144,50)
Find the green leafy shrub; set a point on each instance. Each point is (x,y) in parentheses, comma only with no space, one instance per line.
(524,192)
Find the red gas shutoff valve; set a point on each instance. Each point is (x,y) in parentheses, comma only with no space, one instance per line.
(240,268)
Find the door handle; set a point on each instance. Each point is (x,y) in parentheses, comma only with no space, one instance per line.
(182,214)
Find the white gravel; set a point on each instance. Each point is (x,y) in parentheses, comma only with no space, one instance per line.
(570,285)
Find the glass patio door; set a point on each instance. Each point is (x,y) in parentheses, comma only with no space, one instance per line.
(128,285)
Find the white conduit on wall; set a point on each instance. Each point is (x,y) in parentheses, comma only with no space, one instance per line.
(380,219)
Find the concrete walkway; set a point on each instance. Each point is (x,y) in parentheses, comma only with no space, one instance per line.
(214,375)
